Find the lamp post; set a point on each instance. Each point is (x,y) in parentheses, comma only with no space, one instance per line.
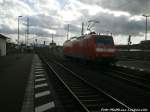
(27,31)
(146,16)
(18,29)
(68,28)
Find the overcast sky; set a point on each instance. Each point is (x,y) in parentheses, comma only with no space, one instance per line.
(119,17)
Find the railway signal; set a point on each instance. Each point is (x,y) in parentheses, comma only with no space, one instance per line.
(129,42)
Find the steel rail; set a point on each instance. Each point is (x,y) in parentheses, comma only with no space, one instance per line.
(87,83)
(100,90)
(66,86)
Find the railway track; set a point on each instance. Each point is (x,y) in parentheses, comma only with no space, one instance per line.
(88,97)
(131,76)
(137,78)
(140,79)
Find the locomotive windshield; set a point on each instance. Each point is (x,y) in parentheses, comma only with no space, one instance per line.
(104,41)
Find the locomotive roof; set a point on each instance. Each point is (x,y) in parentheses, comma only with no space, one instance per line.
(83,36)
(104,36)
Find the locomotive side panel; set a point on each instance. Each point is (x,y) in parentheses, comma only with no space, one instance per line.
(90,47)
(85,49)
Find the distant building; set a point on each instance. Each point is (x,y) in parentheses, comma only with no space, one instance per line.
(145,42)
(2,45)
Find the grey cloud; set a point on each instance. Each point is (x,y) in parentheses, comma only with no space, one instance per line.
(32,30)
(6,30)
(43,21)
(108,22)
(72,28)
(39,31)
(118,25)
(134,7)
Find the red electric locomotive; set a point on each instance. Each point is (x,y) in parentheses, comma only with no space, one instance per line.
(91,47)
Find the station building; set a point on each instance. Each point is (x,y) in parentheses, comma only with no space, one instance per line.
(3,45)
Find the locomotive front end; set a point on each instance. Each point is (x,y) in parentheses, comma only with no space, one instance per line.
(104,48)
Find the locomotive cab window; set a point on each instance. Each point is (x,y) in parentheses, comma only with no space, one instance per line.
(104,41)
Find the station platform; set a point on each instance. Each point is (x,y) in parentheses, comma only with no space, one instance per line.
(39,96)
(14,72)
(25,86)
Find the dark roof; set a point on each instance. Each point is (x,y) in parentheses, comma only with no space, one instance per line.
(3,37)
(145,42)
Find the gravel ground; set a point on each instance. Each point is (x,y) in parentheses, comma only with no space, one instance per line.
(14,71)
(137,64)
(130,95)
